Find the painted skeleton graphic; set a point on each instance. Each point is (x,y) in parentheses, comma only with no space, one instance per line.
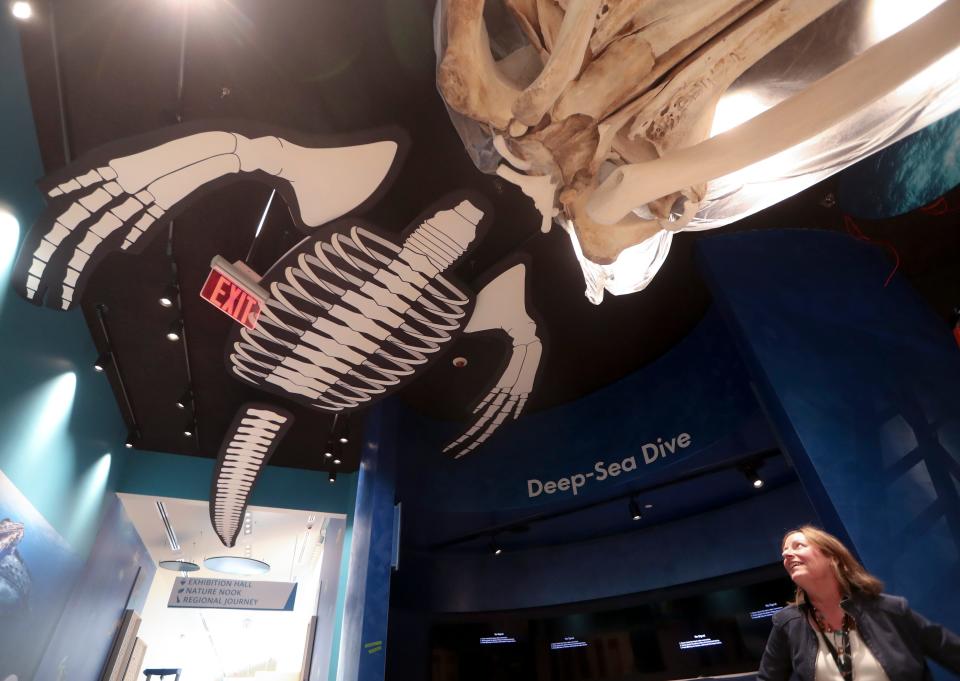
(353,314)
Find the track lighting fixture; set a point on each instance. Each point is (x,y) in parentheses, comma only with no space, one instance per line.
(189,429)
(169,296)
(132,437)
(749,471)
(175,330)
(103,361)
(635,511)
(186,399)
(332,477)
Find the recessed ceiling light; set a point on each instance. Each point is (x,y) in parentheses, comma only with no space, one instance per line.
(21,10)
(236,565)
(179,565)
(459,362)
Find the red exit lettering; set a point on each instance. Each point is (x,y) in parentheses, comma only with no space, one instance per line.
(231,298)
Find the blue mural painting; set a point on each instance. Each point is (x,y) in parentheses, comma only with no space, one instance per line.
(37,571)
(116,576)
(906,175)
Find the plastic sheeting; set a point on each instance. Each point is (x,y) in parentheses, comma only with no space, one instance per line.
(815,51)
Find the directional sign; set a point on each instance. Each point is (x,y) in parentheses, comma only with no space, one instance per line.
(231,594)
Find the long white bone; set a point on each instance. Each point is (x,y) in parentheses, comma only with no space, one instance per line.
(871,75)
(139,189)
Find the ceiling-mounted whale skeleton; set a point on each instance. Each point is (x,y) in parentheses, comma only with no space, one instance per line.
(602,112)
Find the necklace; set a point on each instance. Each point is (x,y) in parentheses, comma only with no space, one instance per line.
(840,648)
(825,626)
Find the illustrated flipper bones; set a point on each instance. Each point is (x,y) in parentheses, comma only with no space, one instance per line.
(110,200)
(501,306)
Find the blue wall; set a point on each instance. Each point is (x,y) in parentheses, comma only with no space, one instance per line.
(738,537)
(861,385)
(364,630)
(699,388)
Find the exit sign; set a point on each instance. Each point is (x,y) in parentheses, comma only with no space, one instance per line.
(234,292)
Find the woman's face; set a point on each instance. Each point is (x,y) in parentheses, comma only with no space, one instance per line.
(804,562)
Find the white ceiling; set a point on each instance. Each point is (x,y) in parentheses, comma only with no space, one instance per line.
(214,645)
(288,540)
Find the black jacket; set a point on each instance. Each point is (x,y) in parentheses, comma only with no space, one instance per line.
(899,639)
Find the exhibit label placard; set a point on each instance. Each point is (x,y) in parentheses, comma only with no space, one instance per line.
(231,594)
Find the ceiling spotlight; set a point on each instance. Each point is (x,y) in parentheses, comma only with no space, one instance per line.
(337,461)
(186,399)
(189,429)
(132,437)
(495,547)
(21,10)
(328,453)
(635,512)
(332,477)
(102,362)
(173,333)
(749,471)
(169,296)
(337,433)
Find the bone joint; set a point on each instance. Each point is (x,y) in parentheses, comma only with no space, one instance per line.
(620,83)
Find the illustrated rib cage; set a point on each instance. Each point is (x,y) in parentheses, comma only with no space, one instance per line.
(358,313)
(256,433)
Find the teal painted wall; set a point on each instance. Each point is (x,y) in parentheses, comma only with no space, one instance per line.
(60,432)
(188,477)
(342,585)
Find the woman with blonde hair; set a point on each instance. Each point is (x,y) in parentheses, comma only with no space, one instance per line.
(842,627)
